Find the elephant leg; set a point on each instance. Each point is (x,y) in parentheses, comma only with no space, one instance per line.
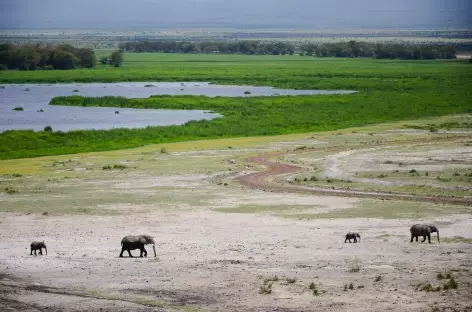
(345,241)
(129,252)
(35,252)
(31,253)
(41,251)
(424,239)
(411,240)
(416,238)
(355,240)
(121,253)
(145,251)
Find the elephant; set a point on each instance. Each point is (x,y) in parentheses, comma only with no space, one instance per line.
(424,230)
(132,242)
(38,245)
(352,235)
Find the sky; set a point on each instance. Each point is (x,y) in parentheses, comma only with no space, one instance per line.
(132,14)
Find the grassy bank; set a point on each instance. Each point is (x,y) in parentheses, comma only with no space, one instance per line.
(389,91)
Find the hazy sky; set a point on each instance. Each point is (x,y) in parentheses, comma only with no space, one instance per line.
(234,13)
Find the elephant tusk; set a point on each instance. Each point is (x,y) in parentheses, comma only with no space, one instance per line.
(154,248)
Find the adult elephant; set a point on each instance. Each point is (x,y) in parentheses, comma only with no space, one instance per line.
(424,230)
(132,242)
(354,236)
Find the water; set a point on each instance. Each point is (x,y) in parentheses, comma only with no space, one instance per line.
(34,97)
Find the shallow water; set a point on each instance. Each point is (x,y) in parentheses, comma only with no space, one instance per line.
(34,97)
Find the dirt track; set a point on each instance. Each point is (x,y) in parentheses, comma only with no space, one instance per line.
(265,181)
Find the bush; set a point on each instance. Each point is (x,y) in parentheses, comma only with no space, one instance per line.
(10,190)
(314,289)
(18,108)
(48,129)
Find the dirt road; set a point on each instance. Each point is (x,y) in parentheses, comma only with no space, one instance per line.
(265,180)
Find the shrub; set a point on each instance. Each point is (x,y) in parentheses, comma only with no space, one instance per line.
(10,190)
(291,280)
(48,129)
(351,286)
(378,278)
(18,108)
(451,284)
(119,166)
(314,289)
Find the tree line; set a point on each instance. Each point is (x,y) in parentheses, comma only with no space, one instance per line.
(45,56)
(225,47)
(339,49)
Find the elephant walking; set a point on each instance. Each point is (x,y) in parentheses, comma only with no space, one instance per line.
(38,245)
(132,242)
(424,230)
(352,235)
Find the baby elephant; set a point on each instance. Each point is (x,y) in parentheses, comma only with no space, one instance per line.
(132,242)
(352,235)
(424,230)
(38,245)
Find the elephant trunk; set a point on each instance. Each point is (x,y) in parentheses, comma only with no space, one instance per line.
(359,238)
(438,236)
(154,248)
(46,249)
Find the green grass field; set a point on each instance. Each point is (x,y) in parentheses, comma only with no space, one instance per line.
(389,90)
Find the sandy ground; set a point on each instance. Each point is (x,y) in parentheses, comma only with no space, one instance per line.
(220,244)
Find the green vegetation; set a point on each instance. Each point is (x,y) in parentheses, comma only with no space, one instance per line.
(330,49)
(18,108)
(115,59)
(388,91)
(40,56)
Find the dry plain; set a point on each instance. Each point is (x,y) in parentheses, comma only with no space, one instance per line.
(235,234)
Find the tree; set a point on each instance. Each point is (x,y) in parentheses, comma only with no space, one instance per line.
(64,60)
(104,60)
(87,57)
(116,58)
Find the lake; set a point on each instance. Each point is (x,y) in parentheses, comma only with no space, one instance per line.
(35,97)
